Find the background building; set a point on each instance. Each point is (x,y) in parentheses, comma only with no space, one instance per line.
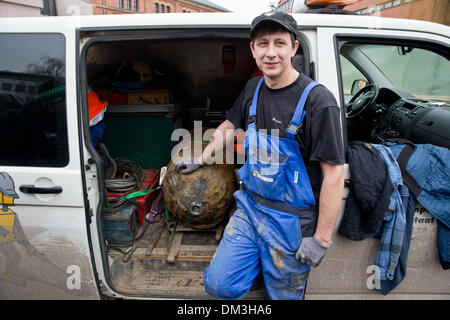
(154,6)
(37,8)
(428,10)
(285,5)
(27,8)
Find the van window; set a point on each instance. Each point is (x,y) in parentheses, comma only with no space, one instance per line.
(422,73)
(33,126)
(349,74)
(419,72)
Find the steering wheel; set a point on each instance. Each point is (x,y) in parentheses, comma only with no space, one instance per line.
(361,100)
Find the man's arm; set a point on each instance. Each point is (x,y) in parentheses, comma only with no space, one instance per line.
(329,201)
(223,135)
(313,249)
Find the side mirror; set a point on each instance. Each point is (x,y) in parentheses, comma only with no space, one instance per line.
(358,85)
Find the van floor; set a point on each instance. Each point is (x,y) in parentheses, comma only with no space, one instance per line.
(168,264)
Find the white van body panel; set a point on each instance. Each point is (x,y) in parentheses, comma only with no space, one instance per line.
(54,224)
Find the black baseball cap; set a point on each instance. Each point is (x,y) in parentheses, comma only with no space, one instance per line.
(282,18)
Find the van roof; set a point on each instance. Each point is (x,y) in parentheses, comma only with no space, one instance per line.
(219,20)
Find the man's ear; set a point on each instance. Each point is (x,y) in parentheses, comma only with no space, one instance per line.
(252,49)
(294,50)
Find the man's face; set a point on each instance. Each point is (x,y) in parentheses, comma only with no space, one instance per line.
(273,53)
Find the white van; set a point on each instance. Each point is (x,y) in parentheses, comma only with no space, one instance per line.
(53,243)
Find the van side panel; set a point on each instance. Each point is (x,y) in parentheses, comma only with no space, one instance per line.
(43,227)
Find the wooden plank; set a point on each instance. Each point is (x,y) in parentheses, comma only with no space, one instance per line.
(181,227)
(179,257)
(174,246)
(154,239)
(196,248)
(163,251)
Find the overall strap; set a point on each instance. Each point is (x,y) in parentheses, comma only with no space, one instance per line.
(299,113)
(252,113)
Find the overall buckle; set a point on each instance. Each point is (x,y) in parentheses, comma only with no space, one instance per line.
(294,128)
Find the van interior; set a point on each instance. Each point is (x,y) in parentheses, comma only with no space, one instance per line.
(186,78)
(155,83)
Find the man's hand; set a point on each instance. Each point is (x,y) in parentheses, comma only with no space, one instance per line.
(311,251)
(188,165)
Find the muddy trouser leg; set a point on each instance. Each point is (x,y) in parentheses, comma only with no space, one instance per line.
(258,237)
(284,276)
(236,264)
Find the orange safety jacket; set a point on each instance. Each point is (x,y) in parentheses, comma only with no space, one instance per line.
(97,108)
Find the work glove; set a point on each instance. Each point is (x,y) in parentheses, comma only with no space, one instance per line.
(188,165)
(311,251)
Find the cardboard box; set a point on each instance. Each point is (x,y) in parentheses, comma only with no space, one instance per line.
(118,98)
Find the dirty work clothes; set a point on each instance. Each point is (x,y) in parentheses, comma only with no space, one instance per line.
(258,239)
(393,228)
(429,166)
(274,168)
(400,271)
(320,136)
(262,235)
(369,195)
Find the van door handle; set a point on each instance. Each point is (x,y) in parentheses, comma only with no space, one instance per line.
(46,190)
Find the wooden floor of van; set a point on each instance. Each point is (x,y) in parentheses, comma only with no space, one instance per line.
(169,261)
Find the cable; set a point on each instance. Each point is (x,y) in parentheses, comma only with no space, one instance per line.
(132,175)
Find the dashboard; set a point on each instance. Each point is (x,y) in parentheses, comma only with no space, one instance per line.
(400,115)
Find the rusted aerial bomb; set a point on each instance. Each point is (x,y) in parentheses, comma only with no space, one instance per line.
(203,198)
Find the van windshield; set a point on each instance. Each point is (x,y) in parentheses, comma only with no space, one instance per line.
(421,73)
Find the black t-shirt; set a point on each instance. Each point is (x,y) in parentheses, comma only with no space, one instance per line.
(319,137)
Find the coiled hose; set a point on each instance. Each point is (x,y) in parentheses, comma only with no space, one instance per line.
(131,174)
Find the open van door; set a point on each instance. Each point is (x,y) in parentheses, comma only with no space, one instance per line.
(44,238)
(376,56)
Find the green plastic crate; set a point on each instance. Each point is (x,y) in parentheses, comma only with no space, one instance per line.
(143,139)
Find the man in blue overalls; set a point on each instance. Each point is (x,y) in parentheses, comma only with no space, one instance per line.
(278,231)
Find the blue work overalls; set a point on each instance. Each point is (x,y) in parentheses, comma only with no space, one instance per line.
(264,233)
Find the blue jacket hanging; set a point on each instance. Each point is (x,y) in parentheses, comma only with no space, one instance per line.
(427,169)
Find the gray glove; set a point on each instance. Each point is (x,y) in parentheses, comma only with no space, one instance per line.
(187,165)
(311,251)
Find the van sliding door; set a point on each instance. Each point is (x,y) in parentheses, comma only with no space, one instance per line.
(44,242)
